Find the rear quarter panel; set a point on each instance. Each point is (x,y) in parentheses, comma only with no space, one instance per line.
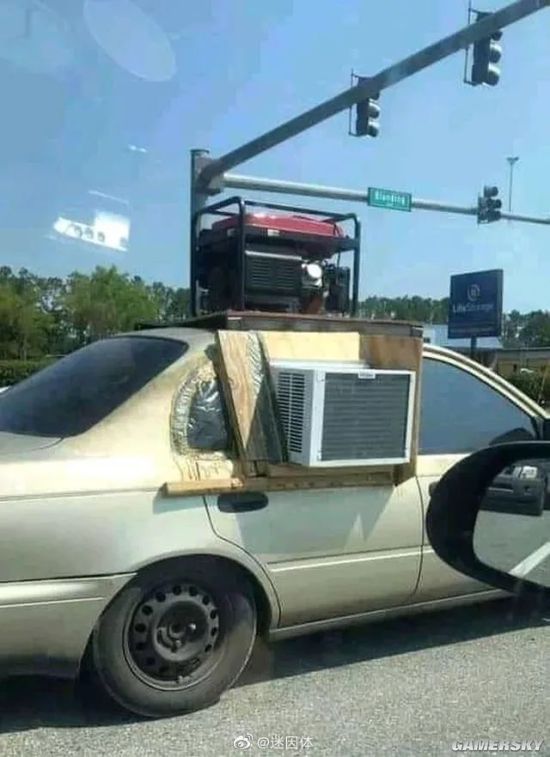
(108,533)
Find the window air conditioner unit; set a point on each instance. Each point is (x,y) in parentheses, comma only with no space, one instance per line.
(336,414)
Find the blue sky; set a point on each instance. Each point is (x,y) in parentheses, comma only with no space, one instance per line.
(243,67)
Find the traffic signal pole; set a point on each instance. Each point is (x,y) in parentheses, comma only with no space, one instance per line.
(367,87)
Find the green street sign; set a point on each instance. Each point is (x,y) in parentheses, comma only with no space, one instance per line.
(389,199)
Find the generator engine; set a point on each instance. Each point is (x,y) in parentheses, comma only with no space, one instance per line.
(279,263)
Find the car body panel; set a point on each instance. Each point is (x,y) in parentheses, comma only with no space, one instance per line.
(437,579)
(354,550)
(109,533)
(375,616)
(45,625)
(15,445)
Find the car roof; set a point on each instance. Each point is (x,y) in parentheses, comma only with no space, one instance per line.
(195,338)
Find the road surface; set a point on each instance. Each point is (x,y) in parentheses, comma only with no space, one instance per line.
(402,687)
(515,543)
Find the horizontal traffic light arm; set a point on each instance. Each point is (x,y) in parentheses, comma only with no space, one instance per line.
(280,186)
(370,87)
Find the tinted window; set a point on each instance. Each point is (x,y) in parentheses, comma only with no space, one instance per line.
(460,413)
(74,394)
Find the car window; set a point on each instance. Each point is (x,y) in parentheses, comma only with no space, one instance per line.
(75,393)
(460,413)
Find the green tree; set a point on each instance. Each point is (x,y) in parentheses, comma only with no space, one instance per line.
(161,296)
(170,304)
(51,295)
(416,308)
(178,308)
(23,323)
(513,323)
(536,329)
(6,274)
(105,302)
(9,306)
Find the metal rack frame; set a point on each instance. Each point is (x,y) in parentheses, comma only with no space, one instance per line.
(221,209)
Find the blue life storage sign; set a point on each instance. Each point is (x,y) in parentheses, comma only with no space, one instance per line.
(475,304)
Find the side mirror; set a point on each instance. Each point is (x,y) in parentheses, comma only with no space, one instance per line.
(489,517)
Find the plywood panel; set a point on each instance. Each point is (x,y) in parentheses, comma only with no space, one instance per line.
(314,345)
(380,351)
(288,470)
(394,352)
(245,377)
(264,484)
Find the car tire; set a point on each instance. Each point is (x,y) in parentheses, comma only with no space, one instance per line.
(176,637)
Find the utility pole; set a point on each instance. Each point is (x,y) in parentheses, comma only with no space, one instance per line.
(512,162)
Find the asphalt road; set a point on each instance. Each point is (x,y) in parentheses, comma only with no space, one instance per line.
(402,687)
(505,540)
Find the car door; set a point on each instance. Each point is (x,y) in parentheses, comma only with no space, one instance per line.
(329,552)
(461,411)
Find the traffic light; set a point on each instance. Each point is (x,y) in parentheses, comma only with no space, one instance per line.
(487,53)
(366,118)
(488,205)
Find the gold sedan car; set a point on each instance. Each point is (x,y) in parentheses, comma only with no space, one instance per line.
(164,596)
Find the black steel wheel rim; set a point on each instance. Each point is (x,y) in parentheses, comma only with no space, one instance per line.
(172,637)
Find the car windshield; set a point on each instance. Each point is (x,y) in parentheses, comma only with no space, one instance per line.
(75,393)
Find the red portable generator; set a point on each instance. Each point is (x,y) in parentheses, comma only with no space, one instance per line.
(284,262)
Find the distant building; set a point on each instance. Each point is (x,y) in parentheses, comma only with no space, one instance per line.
(521,360)
(487,347)
(490,352)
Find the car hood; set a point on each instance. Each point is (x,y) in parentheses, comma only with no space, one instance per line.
(14,445)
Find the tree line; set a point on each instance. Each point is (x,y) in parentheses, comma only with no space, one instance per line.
(51,316)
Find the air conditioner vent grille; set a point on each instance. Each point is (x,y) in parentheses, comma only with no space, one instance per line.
(364,418)
(338,414)
(291,398)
